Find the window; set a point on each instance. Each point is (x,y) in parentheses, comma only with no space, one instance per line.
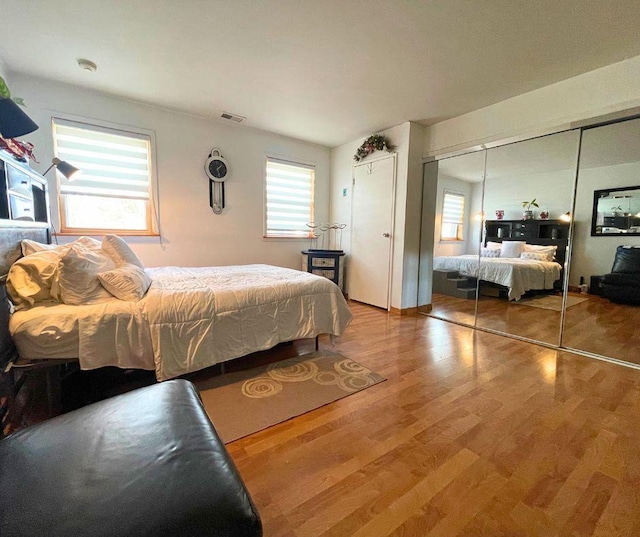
(112,194)
(288,198)
(452,217)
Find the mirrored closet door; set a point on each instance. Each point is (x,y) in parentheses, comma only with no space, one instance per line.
(544,213)
(456,198)
(605,259)
(528,193)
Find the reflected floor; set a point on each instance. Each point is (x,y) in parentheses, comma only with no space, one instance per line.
(595,325)
(603,327)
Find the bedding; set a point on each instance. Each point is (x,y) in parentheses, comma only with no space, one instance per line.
(189,319)
(519,275)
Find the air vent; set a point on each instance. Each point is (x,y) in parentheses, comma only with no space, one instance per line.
(233,117)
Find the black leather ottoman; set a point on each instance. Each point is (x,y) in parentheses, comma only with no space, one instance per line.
(148,462)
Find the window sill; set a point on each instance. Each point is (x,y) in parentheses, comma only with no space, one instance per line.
(277,238)
(102,232)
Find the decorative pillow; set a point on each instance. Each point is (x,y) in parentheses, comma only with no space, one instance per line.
(32,277)
(490,252)
(128,282)
(537,256)
(118,250)
(31,247)
(550,251)
(78,275)
(494,245)
(511,248)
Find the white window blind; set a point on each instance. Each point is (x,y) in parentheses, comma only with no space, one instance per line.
(112,192)
(288,198)
(452,216)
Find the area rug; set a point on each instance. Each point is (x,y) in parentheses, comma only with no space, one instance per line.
(550,302)
(244,402)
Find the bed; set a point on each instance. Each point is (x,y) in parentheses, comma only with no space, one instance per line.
(517,275)
(188,319)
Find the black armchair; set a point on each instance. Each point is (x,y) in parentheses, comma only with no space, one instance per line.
(623,283)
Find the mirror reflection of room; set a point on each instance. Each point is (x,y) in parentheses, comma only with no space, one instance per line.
(456,237)
(527,200)
(616,211)
(606,263)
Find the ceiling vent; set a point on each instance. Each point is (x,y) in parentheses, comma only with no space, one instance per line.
(232,117)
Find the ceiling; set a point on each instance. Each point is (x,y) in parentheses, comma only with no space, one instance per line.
(328,71)
(607,145)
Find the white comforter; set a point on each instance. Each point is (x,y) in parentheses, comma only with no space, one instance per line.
(190,318)
(519,275)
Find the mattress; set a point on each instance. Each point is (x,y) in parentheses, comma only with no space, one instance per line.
(190,318)
(518,275)
(110,333)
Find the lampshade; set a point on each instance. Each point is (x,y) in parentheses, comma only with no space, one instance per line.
(13,121)
(63,167)
(566,217)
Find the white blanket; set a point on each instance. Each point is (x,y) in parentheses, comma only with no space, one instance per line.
(192,318)
(518,275)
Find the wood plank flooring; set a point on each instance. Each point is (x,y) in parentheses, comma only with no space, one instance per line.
(597,325)
(472,434)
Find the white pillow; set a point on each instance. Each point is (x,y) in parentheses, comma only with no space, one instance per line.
(537,256)
(550,251)
(31,247)
(128,282)
(490,252)
(511,248)
(493,245)
(78,275)
(118,250)
(32,277)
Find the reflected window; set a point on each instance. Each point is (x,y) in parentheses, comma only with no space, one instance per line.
(452,217)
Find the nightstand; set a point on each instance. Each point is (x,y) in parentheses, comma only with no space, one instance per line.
(327,263)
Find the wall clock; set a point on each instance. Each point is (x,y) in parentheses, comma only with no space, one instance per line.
(217,169)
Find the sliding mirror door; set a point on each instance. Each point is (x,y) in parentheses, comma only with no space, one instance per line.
(605,257)
(455,233)
(528,192)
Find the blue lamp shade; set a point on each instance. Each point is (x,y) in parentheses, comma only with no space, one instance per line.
(13,121)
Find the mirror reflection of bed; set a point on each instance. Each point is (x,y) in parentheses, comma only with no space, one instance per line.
(589,190)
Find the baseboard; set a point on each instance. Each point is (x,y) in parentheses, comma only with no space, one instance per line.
(426,308)
(404,311)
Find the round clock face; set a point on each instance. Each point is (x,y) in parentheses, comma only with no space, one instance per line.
(218,168)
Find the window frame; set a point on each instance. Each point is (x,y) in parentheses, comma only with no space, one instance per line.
(293,162)
(460,226)
(151,215)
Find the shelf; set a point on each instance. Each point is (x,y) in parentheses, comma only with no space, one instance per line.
(24,198)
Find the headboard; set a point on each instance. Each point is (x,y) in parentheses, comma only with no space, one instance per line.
(10,251)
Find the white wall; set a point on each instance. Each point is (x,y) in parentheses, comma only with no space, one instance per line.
(610,89)
(407,138)
(191,234)
(593,256)
(3,72)
(552,190)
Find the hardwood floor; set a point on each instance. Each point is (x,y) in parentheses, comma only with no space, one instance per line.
(596,325)
(472,434)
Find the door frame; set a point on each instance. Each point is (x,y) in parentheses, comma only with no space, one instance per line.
(392,226)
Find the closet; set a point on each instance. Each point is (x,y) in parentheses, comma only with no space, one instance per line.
(557,177)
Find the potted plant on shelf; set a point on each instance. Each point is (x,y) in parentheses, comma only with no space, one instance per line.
(528,212)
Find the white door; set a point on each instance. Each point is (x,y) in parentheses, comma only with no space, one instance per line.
(373,198)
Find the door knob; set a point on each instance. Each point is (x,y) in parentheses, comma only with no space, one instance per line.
(387,235)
